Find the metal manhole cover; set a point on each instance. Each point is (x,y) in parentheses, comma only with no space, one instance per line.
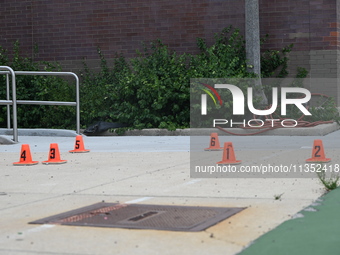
(139,216)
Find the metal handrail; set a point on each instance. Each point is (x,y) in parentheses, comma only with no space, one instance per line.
(8,107)
(14,101)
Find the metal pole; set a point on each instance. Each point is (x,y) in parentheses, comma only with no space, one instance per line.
(8,106)
(14,102)
(14,99)
(78,104)
(253,46)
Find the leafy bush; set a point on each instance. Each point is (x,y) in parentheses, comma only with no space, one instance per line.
(150,91)
(39,88)
(225,58)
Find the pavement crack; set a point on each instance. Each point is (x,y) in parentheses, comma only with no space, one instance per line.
(212,235)
(129,177)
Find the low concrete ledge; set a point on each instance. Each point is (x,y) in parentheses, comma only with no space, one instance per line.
(319,130)
(39,132)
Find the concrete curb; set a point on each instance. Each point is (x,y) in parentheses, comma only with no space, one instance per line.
(319,130)
(39,132)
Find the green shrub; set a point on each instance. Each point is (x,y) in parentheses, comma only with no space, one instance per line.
(38,88)
(150,91)
(225,58)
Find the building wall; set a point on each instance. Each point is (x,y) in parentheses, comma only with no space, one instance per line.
(70,31)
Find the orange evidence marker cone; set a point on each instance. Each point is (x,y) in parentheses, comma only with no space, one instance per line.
(229,155)
(318,153)
(79,145)
(214,143)
(25,157)
(54,155)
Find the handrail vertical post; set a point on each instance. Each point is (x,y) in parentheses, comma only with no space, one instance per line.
(14,100)
(8,106)
(77,104)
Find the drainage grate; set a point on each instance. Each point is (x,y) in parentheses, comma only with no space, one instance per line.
(139,216)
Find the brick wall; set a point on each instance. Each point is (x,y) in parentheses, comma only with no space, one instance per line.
(309,25)
(69,31)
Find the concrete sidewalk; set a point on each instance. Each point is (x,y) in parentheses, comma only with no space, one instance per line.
(149,170)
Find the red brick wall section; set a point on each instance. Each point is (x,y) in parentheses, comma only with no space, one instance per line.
(333,38)
(16,24)
(309,25)
(69,30)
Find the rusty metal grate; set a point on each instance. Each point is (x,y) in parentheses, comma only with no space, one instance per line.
(139,216)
